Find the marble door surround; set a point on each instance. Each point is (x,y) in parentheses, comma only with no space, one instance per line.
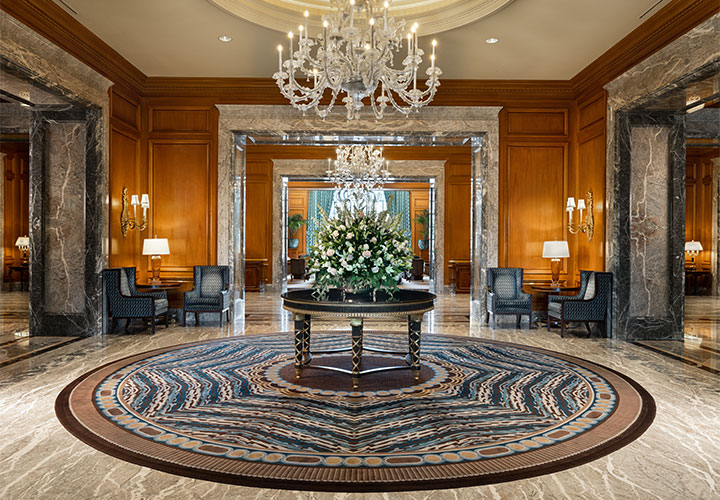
(645,188)
(403,170)
(478,124)
(68,182)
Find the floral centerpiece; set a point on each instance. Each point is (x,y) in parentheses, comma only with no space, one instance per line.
(359,252)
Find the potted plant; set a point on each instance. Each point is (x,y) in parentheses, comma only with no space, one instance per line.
(424,220)
(295,222)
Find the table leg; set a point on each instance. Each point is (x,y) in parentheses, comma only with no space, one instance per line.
(299,342)
(306,339)
(357,338)
(414,329)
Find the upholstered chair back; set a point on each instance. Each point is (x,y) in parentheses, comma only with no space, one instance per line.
(211,280)
(505,282)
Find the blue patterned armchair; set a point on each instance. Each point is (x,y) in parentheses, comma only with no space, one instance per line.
(591,304)
(210,293)
(126,302)
(505,295)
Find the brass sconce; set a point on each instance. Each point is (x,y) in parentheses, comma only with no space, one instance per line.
(127,222)
(584,226)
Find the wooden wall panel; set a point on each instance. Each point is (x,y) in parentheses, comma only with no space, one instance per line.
(258,212)
(698,203)
(16,202)
(537,122)
(419,201)
(298,204)
(534,208)
(457,213)
(179,119)
(182,188)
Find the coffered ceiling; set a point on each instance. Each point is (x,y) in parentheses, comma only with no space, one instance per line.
(538,39)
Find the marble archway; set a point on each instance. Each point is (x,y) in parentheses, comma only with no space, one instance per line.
(479,125)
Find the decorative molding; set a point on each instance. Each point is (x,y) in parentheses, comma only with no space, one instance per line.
(668,24)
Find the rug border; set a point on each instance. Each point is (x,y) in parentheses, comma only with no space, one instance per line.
(643,421)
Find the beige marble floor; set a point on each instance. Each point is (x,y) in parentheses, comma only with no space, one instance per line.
(677,458)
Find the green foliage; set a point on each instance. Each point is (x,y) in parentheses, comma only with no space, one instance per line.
(295,222)
(358,251)
(424,220)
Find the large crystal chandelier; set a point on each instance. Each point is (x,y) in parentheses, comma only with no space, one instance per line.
(355,54)
(358,172)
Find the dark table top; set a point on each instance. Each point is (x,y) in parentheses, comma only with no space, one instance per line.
(550,288)
(403,302)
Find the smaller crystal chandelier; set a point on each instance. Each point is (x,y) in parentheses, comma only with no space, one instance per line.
(355,54)
(358,168)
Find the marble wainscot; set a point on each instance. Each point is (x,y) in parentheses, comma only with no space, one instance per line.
(68,181)
(477,124)
(402,170)
(645,186)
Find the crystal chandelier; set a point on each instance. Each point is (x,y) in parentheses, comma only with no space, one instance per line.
(355,54)
(358,172)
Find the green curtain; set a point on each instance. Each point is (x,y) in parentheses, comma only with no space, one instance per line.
(398,202)
(317,199)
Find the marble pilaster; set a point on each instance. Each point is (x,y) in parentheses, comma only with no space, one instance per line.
(2,220)
(716,226)
(691,56)
(478,124)
(401,170)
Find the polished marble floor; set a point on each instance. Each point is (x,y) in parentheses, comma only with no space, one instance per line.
(677,458)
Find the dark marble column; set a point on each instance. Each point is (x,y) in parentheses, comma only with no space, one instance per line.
(65,201)
(649,226)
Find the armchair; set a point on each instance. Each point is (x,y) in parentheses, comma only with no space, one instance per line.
(210,293)
(593,305)
(505,295)
(126,302)
(584,279)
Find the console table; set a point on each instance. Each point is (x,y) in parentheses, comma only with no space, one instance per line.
(410,303)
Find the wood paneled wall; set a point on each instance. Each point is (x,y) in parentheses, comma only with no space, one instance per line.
(168,150)
(16,200)
(698,204)
(298,204)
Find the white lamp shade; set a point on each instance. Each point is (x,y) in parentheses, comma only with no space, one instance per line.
(571,202)
(555,249)
(581,204)
(134,200)
(156,246)
(693,246)
(22,241)
(145,201)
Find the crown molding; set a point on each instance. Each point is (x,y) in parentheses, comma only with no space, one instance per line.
(50,21)
(669,23)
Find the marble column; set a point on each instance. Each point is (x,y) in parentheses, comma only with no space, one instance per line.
(649,226)
(65,206)
(716,227)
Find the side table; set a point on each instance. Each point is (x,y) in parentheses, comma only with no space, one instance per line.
(162,286)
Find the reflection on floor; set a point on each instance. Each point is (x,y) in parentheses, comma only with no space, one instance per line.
(701,346)
(678,457)
(15,344)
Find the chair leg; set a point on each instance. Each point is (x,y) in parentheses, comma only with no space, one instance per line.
(112,325)
(531,325)
(221,316)
(517,320)
(587,327)
(487,317)
(127,322)
(197,321)
(227,314)
(167,320)
(562,328)
(184,322)
(549,320)
(153,324)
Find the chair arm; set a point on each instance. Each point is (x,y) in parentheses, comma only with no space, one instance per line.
(582,310)
(191,294)
(225,298)
(562,298)
(524,296)
(155,295)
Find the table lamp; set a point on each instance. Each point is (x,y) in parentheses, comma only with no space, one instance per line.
(156,247)
(555,250)
(693,248)
(23,244)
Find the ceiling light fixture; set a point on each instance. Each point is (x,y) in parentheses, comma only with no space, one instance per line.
(225,38)
(492,40)
(354,54)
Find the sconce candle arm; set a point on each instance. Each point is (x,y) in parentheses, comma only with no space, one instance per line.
(126,222)
(584,225)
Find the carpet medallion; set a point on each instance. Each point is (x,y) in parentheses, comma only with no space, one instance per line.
(231,410)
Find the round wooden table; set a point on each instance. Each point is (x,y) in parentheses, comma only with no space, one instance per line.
(410,303)
(163,285)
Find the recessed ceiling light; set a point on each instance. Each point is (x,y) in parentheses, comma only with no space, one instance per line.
(492,40)
(225,38)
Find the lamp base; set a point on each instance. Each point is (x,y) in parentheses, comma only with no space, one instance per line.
(155,262)
(555,272)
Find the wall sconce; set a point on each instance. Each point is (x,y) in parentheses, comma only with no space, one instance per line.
(23,244)
(584,226)
(692,248)
(126,222)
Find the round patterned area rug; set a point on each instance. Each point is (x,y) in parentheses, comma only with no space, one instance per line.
(231,410)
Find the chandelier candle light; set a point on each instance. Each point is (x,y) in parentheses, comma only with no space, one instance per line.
(355,54)
(357,171)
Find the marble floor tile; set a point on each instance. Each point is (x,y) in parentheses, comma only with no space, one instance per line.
(678,457)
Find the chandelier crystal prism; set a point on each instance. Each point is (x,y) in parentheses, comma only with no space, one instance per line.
(355,54)
(358,168)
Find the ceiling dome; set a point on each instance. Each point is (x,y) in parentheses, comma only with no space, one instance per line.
(433,16)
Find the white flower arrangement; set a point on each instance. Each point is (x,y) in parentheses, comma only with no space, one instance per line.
(359,251)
